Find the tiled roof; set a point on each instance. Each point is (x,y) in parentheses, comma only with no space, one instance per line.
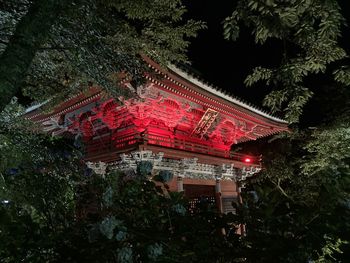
(222,94)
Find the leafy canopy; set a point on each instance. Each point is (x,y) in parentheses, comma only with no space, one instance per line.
(296,210)
(309,31)
(54,49)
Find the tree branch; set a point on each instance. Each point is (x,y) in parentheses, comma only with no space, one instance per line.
(55,48)
(4,42)
(30,33)
(278,185)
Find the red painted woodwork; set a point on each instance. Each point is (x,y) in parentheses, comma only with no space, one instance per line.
(170,112)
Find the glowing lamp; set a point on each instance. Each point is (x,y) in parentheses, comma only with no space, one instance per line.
(247,160)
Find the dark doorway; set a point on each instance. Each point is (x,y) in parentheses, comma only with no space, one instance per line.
(201,197)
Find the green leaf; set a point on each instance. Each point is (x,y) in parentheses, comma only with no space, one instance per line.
(108,197)
(259,73)
(108,225)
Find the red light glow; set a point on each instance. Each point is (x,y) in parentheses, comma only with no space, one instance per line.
(247,160)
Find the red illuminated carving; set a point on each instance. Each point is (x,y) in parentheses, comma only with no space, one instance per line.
(167,122)
(168,111)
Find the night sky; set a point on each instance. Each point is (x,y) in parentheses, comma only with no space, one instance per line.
(225,64)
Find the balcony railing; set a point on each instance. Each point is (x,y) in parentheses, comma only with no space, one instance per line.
(108,143)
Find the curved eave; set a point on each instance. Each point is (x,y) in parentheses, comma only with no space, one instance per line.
(220,94)
(70,104)
(246,139)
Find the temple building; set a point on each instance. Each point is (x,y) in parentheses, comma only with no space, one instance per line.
(176,122)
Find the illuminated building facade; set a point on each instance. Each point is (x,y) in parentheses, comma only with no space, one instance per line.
(176,122)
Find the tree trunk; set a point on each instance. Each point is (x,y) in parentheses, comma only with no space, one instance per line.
(30,33)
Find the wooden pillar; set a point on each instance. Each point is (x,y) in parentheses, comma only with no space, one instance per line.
(218,194)
(241,228)
(180,184)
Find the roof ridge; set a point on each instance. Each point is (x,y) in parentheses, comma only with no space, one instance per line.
(222,93)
